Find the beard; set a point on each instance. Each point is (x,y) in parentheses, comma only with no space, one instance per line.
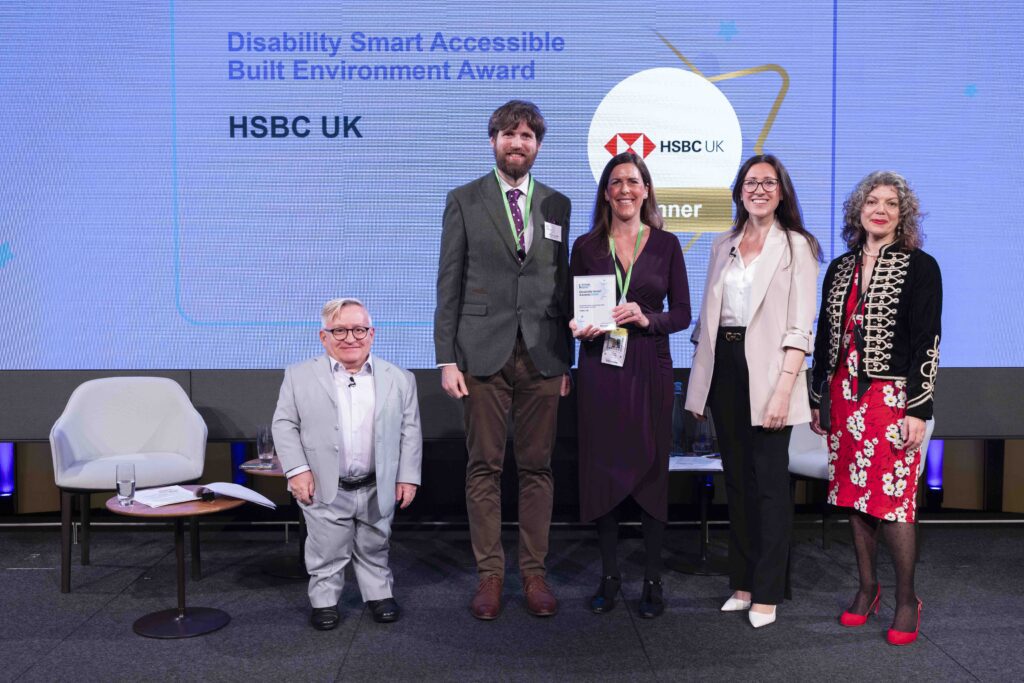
(514,169)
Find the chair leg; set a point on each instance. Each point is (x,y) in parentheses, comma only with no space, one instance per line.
(66,501)
(788,592)
(917,542)
(84,502)
(193,534)
(826,522)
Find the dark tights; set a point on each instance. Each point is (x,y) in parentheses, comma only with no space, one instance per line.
(901,538)
(608,540)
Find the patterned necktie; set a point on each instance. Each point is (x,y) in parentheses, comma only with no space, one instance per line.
(517,218)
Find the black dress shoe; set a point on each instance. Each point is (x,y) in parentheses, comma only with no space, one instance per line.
(604,600)
(384,611)
(324,618)
(652,604)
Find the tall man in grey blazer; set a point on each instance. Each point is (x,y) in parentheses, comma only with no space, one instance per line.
(347,432)
(502,341)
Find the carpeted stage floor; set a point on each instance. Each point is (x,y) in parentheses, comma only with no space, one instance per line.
(970,579)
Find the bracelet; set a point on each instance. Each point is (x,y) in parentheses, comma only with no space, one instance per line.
(788,372)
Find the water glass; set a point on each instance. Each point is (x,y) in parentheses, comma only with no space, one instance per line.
(125,484)
(703,443)
(265,447)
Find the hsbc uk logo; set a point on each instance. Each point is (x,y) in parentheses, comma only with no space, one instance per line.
(637,143)
(640,144)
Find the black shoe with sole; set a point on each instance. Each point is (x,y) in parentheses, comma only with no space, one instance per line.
(324,618)
(652,604)
(384,611)
(604,600)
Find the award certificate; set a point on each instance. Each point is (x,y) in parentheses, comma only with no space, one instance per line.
(593,300)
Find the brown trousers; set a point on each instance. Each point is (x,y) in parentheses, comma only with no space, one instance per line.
(533,401)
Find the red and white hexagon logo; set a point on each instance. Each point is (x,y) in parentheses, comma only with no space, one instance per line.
(637,143)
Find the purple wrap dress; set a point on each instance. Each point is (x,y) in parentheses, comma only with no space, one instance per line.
(625,414)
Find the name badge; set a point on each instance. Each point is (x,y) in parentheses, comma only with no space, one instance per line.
(614,351)
(553,231)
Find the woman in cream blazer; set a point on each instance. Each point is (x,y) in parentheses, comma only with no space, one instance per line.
(754,333)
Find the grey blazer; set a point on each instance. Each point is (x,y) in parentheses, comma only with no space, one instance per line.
(484,295)
(306,427)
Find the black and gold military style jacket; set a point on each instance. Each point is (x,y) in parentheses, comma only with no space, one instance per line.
(902,324)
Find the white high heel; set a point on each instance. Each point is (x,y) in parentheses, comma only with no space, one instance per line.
(734,604)
(759,619)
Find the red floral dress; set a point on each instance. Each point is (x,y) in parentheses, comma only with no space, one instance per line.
(868,469)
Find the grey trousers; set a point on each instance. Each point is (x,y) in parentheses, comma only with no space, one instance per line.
(352,529)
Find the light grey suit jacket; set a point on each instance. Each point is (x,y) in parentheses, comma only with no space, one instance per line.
(484,295)
(306,429)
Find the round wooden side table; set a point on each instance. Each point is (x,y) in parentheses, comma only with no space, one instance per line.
(183,622)
(289,566)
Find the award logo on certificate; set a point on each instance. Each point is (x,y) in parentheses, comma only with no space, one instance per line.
(593,300)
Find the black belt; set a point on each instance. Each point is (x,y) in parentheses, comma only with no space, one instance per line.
(732,334)
(355,483)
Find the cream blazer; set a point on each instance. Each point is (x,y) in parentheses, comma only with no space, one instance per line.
(782,304)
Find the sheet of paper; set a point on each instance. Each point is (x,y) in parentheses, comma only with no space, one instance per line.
(694,463)
(164,495)
(593,300)
(238,491)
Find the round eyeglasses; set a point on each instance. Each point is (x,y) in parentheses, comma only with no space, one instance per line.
(341,333)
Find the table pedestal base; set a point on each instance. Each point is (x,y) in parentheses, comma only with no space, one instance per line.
(705,562)
(173,623)
(708,565)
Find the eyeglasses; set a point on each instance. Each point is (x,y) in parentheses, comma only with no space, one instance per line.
(769,185)
(341,333)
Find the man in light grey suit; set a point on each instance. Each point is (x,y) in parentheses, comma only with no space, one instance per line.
(502,341)
(347,432)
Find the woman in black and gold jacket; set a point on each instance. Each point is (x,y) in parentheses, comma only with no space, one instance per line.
(875,359)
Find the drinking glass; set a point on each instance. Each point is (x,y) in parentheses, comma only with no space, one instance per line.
(125,483)
(703,443)
(265,447)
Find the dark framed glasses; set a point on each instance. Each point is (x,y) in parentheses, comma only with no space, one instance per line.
(341,333)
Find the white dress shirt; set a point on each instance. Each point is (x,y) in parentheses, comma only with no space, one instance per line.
(736,290)
(356,400)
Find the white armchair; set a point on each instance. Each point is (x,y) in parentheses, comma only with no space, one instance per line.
(147,421)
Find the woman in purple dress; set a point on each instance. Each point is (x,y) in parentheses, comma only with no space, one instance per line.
(625,408)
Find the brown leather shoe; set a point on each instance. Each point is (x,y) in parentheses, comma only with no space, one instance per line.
(486,603)
(540,601)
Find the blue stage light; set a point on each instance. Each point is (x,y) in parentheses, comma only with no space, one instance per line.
(239,454)
(933,466)
(6,469)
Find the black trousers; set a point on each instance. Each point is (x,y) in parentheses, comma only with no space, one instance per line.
(756,464)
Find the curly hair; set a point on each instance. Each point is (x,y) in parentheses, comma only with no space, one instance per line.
(510,114)
(908,230)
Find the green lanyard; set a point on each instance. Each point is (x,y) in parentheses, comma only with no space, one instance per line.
(629,273)
(508,209)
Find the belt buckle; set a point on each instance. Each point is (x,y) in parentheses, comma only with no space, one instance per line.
(733,336)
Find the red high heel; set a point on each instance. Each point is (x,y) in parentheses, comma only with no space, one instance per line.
(905,637)
(850,619)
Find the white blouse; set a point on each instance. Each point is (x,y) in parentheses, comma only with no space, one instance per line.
(736,290)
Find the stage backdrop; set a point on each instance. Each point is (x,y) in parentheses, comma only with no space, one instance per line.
(183,183)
